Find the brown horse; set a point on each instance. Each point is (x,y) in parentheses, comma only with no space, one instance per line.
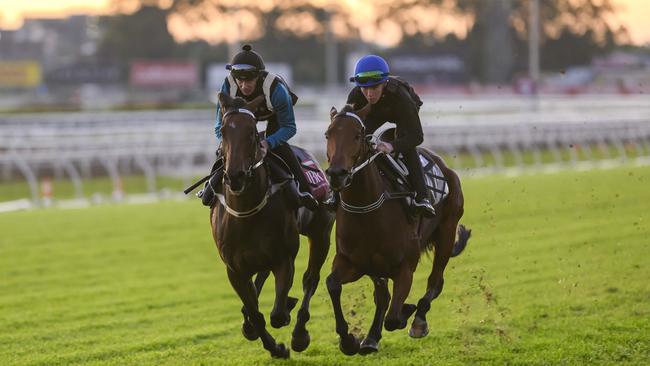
(256,231)
(376,237)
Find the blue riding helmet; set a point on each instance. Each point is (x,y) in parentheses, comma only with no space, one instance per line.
(370,70)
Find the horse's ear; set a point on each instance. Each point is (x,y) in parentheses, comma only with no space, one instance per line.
(363,112)
(333,112)
(255,103)
(224,100)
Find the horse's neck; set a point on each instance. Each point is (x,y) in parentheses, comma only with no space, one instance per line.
(252,194)
(367,185)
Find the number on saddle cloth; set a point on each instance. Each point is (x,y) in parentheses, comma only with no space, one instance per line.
(315,176)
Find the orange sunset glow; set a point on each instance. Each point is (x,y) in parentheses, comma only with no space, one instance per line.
(631,13)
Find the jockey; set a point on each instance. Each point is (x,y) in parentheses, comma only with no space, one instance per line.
(392,102)
(248,80)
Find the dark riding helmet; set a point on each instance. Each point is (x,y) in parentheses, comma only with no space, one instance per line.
(246,65)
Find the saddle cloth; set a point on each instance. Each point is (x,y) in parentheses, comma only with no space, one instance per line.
(433,178)
(314,174)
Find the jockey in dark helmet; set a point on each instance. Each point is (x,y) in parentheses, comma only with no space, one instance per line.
(248,80)
(391,102)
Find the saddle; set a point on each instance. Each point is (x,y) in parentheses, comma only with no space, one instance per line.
(394,169)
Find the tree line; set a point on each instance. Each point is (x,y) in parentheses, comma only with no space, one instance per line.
(494,47)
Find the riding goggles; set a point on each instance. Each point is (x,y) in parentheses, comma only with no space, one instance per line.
(369,77)
(243,72)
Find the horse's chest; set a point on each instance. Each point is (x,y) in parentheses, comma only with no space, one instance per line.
(242,256)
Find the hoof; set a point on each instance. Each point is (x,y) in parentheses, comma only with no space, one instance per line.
(249,331)
(368,346)
(349,345)
(391,324)
(279,321)
(300,342)
(280,351)
(419,328)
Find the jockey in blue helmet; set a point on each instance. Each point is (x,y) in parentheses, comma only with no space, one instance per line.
(392,101)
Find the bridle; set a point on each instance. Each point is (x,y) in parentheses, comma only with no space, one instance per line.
(248,172)
(271,188)
(363,151)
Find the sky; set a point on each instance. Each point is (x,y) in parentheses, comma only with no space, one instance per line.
(633,14)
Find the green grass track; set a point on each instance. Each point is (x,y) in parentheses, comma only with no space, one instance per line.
(556,273)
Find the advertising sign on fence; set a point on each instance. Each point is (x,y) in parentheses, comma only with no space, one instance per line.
(84,73)
(20,74)
(430,69)
(182,74)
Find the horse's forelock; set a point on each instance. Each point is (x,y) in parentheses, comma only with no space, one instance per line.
(347,108)
(238,102)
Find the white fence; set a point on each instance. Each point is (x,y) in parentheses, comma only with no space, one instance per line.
(181,142)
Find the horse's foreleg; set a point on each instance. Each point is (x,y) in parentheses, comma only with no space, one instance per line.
(382,298)
(342,272)
(247,328)
(280,315)
(248,295)
(318,248)
(399,312)
(444,239)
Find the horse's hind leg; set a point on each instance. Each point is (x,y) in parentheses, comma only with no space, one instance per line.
(399,312)
(342,272)
(444,238)
(382,298)
(248,295)
(280,315)
(318,247)
(247,328)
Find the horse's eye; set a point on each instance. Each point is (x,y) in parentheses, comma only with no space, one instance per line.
(327,135)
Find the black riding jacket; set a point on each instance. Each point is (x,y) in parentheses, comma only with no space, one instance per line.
(396,106)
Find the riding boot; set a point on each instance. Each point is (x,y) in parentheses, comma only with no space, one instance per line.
(213,185)
(302,190)
(416,178)
(331,203)
(279,174)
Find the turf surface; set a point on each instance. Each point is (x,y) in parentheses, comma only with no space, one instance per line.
(556,273)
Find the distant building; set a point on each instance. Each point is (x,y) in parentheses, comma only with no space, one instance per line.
(52,42)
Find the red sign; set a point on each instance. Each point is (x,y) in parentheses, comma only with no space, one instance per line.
(164,73)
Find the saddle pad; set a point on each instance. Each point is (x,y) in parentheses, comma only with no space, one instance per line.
(434,179)
(314,174)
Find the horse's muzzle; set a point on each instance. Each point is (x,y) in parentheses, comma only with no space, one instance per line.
(236,181)
(339,178)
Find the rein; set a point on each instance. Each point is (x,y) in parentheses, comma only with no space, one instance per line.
(241,214)
(383,197)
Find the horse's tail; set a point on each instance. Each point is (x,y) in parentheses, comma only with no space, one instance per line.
(463,237)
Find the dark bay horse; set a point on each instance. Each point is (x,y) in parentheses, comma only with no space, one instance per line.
(256,231)
(376,237)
